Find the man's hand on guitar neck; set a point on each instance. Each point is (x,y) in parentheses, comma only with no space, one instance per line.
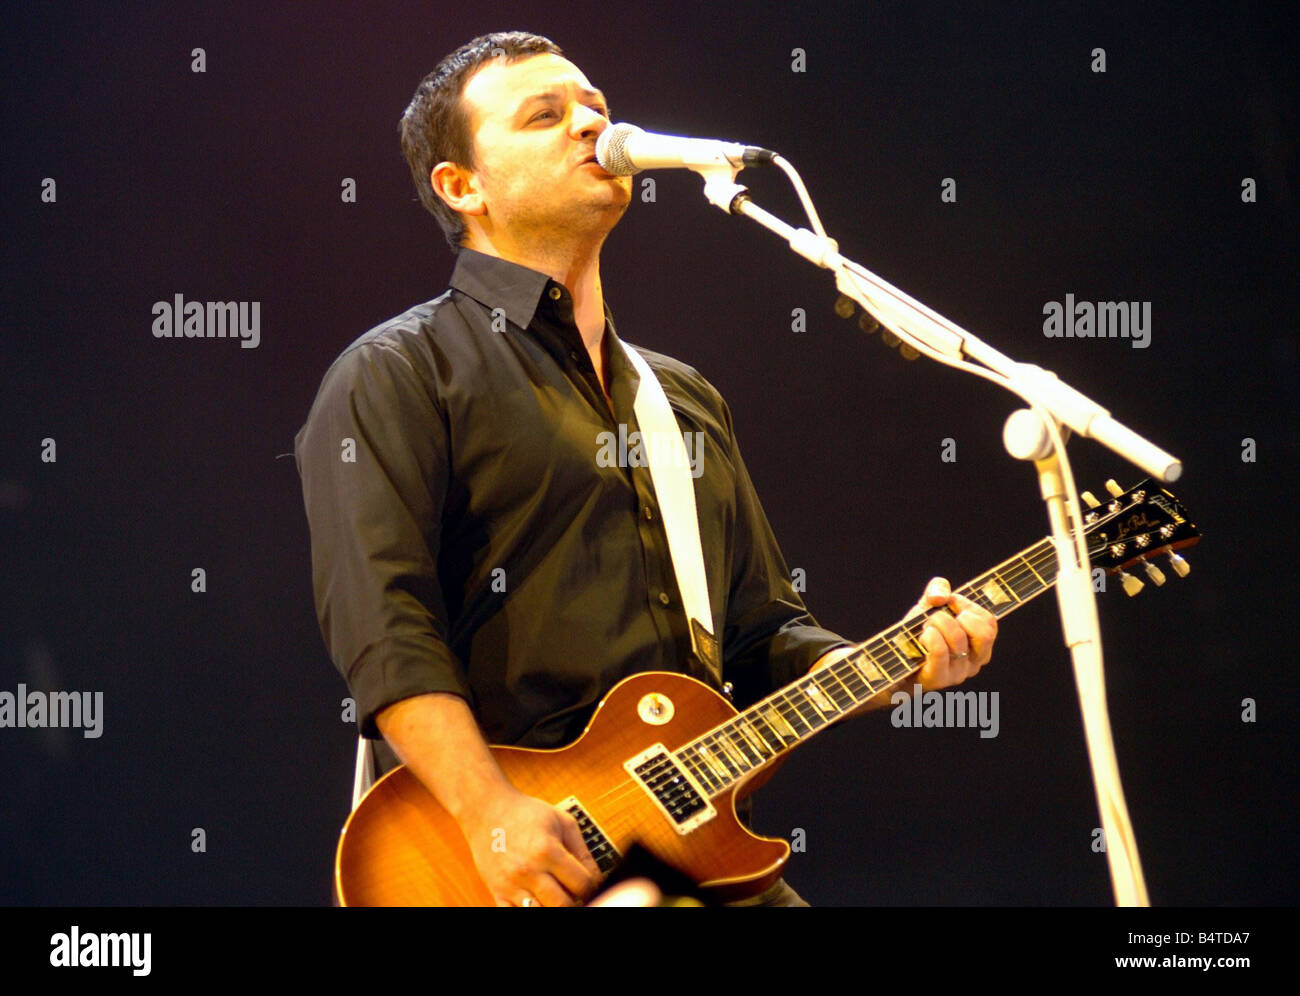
(957,642)
(526,851)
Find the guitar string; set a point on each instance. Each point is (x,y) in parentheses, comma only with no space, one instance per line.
(1010,574)
(1036,568)
(1032,572)
(787,706)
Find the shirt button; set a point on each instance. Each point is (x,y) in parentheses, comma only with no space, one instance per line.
(663,598)
(573,355)
(648,512)
(555,293)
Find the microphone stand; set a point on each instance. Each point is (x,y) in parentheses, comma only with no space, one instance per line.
(1036,434)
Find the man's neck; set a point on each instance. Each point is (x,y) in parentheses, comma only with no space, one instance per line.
(577,271)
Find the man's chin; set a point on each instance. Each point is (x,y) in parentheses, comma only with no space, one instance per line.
(611,208)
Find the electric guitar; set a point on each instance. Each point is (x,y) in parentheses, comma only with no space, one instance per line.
(665,757)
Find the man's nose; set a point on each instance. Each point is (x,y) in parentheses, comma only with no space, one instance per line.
(588,122)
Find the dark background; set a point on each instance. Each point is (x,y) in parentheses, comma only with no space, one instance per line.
(222,710)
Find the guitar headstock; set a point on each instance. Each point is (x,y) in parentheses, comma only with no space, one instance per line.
(1135,527)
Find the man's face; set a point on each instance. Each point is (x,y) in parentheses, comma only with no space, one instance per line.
(534,125)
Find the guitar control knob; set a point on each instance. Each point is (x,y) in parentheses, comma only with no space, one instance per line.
(655,709)
(1090,499)
(1131,584)
(1181,567)
(1114,489)
(1154,573)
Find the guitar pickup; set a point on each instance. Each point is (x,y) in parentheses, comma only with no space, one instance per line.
(674,791)
(602,849)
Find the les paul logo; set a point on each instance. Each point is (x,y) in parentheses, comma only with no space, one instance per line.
(1136,523)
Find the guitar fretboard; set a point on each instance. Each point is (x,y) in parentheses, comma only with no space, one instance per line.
(783,720)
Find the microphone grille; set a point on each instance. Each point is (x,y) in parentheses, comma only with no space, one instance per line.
(611,152)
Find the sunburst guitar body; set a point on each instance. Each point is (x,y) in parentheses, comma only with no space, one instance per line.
(400,847)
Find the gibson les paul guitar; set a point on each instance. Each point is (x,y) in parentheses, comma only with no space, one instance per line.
(665,757)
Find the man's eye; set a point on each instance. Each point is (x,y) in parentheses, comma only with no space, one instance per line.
(603,112)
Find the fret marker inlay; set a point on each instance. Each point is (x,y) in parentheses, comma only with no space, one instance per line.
(814,692)
(907,647)
(995,593)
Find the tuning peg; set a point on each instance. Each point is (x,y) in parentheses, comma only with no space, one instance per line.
(844,306)
(1114,489)
(1090,499)
(1131,584)
(867,322)
(1181,567)
(1154,572)
(907,352)
(889,339)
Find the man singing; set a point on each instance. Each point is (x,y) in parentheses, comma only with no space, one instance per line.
(481,577)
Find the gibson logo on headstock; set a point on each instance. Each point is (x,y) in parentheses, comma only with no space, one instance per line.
(1165,505)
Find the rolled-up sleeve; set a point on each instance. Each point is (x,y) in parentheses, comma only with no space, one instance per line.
(770,637)
(373,461)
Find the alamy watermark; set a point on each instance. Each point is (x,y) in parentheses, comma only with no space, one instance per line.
(67,710)
(181,319)
(919,709)
(640,449)
(101,950)
(1103,320)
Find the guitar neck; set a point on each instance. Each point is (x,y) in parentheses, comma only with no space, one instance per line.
(785,719)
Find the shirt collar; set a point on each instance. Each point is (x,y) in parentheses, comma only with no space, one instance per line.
(519,291)
(498,283)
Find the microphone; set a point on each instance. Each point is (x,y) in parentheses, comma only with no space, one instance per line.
(624,149)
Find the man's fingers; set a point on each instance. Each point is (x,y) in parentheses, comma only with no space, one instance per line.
(949,657)
(571,873)
(980,626)
(935,668)
(958,641)
(546,890)
(938,591)
(575,867)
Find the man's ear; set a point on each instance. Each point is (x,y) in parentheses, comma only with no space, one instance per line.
(458,188)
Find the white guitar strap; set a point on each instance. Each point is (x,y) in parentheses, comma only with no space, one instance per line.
(661,441)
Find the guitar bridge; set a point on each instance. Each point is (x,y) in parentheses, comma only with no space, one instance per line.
(673,790)
(603,852)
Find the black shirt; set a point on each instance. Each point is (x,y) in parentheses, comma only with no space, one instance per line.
(466,537)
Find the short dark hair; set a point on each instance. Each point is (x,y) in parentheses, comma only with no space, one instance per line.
(435,126)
